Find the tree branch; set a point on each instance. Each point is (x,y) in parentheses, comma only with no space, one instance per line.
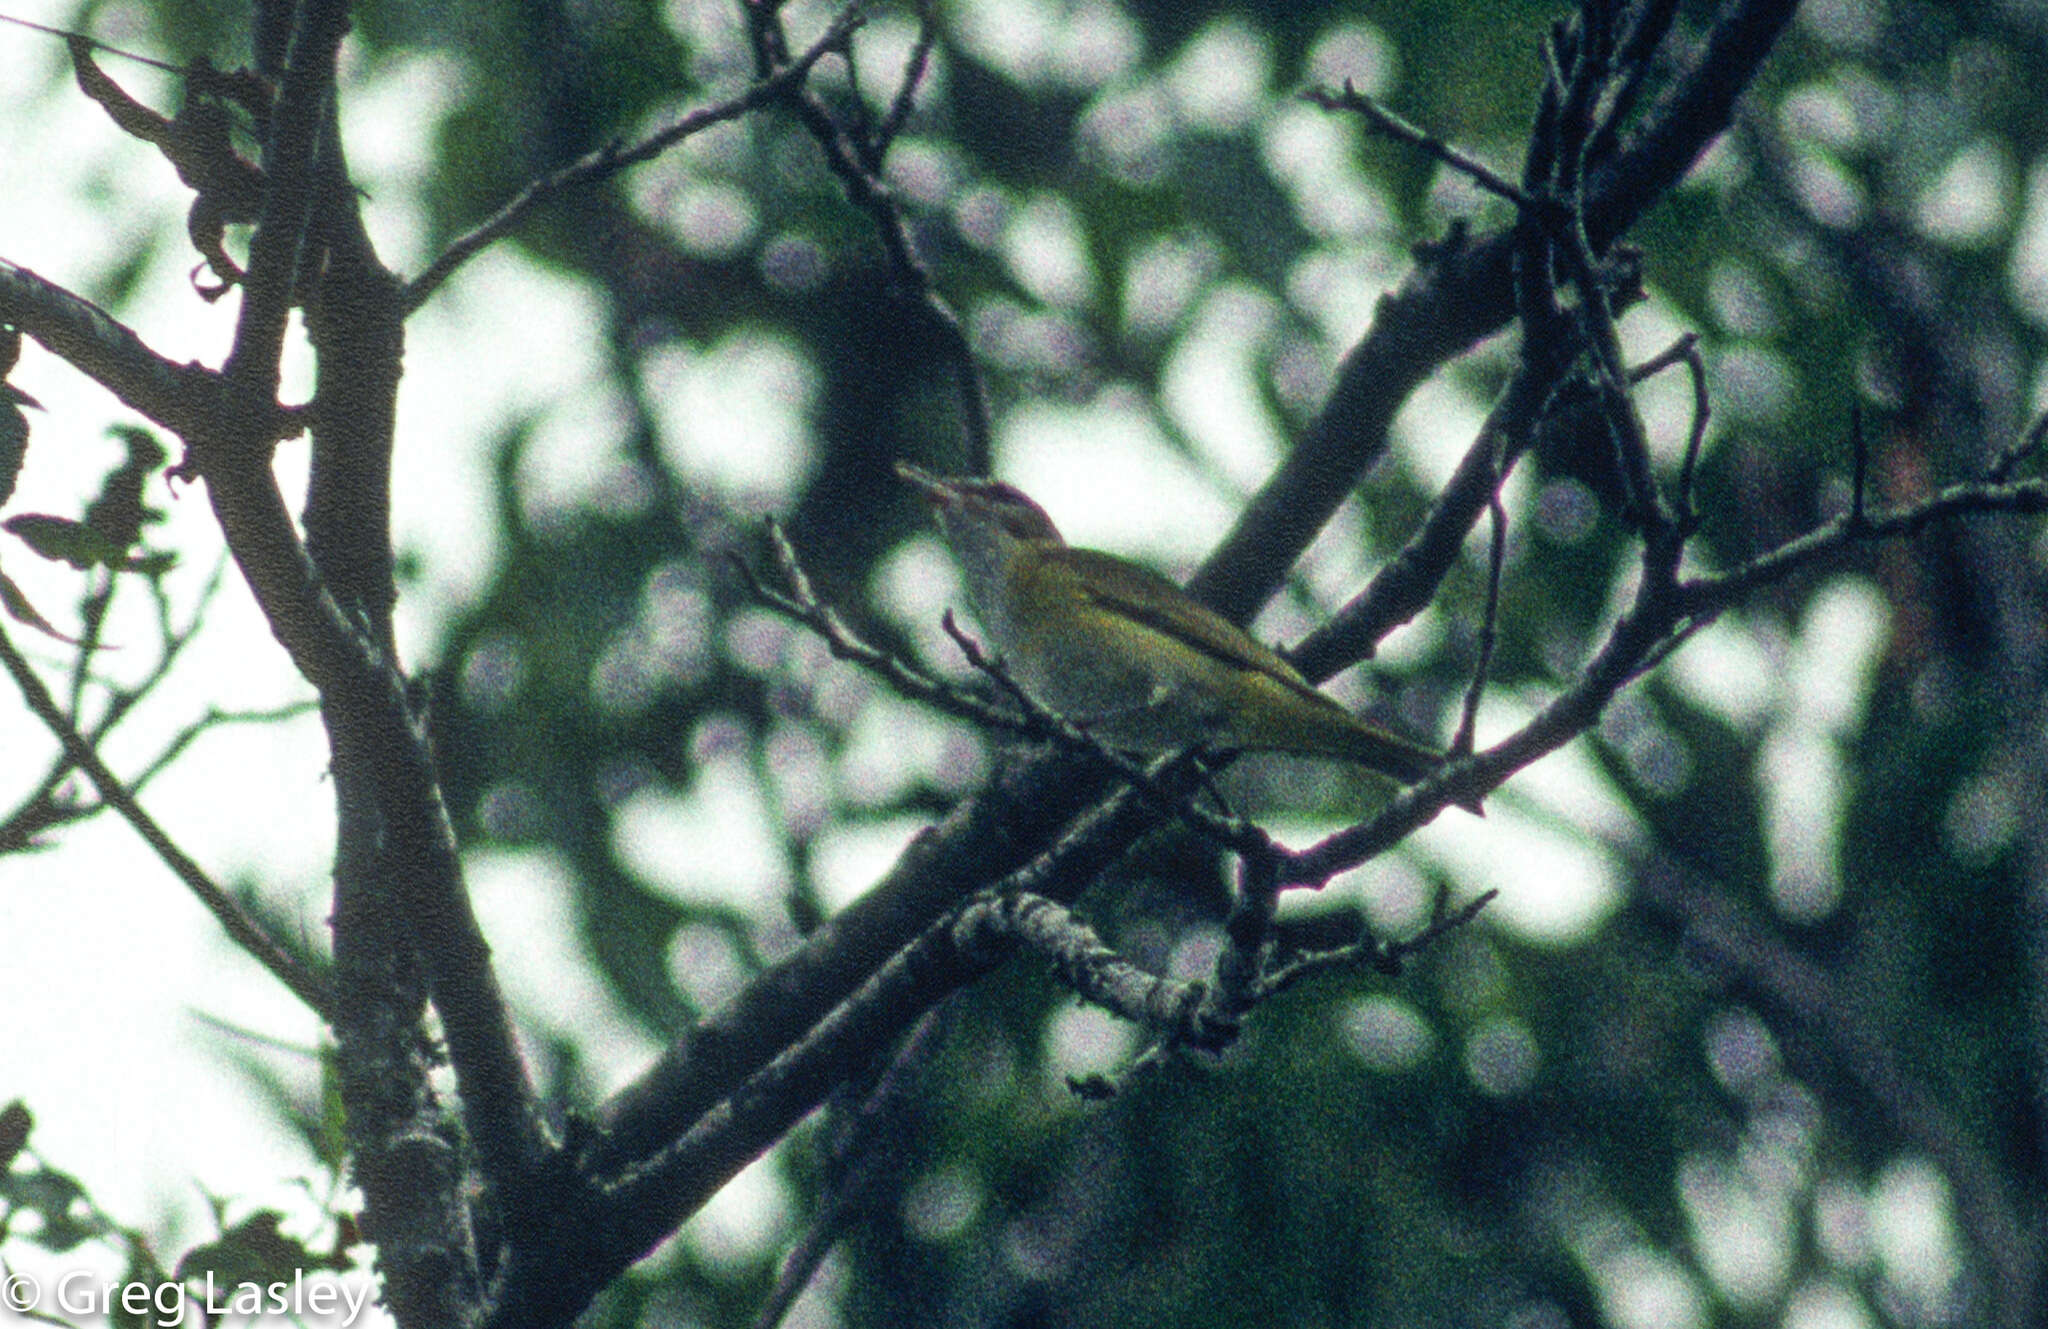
(180,398)
(1462,295)
(858,171)
(245,930)
(609,160)
(1828,1017)
(1714,593)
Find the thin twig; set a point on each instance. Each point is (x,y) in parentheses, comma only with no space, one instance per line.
(216,718)
(802,605)
(865,189)
(1230,832)
(873,1140)
(1678,352)
(243,928)
(1631,443)
(43,810)
(1702,410)
(1665,612)
(1859,467)
(1387,958)
(1712,592)
(2012,454)
(1489,631)
(612,158)
(1394,127)
(1588,48)
(100,584)
(1407,582)
(914,70)
(122,700)
(94,43)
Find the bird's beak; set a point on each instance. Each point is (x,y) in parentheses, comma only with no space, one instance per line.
(936,492)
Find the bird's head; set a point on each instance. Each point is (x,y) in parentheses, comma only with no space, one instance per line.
(971,509)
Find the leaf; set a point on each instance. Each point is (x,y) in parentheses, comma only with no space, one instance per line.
(144,448)
(254,1251)
(13,436)
(21,611)
(68,1217)
(118,514)
(62,540)
(15,1121)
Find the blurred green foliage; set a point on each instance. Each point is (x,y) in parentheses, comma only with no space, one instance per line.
(1619,1127)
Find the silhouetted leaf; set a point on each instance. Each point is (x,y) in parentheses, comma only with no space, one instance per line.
(15,1122)
(21,611)
(255,1251)
(13,436)
(68,1216)
(62,540)
(118,513)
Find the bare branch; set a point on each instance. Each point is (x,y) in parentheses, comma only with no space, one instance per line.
(1489,631)
(803,606)
(1177,1011)
(979,840)
(914,69)
(1702,411)
(1650,23)
(612,158)
(1465,293)
(94,44)
(1714,592)
(861,179)
(1394,127)
(798,1055)
(180,398)
(1665,611)
(1410,580)
(2012,454)
(1031,720)
(1387,958)
(304,102)
(246,932)
(216,718)
(1625,424)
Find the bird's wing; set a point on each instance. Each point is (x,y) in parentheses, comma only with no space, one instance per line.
(1145,597)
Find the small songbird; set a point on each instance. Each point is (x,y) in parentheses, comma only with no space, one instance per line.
(1126,654)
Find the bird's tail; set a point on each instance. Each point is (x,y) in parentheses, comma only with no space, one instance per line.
(1312,725)
(1370,746)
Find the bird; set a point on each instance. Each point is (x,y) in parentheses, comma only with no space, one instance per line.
(1125,654)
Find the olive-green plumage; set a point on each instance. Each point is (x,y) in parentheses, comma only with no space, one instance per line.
(1127,654)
